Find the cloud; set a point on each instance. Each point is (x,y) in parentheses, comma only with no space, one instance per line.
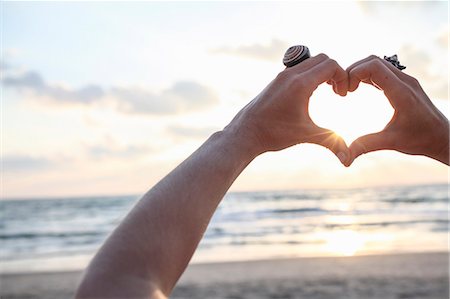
(191,132)
(419,64)
(183,96)
(102,151)
(271,52)
(30,80)
(373,7)
(22,163)
(4,66)
(34,83)
(442,39)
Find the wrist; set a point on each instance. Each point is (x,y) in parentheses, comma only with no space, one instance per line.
(238,144)
(443,155)
(441,142)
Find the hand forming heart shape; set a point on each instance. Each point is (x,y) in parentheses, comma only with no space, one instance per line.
(417,126)
(279,116)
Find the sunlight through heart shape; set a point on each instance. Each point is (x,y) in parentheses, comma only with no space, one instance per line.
(364,111)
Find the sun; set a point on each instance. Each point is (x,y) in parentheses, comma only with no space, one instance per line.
(362,112)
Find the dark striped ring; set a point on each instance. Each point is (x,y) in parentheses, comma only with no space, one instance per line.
(295,54)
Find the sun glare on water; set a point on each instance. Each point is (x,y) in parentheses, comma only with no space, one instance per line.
(344,243)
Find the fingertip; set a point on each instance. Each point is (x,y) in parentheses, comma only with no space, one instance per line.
(341,88)
(335,88)
(349,161)
(345,157)
(341,149)
(356,149)
(342,157)
(353,84)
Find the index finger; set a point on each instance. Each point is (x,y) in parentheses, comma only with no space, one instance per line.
(379,74)
(325,71)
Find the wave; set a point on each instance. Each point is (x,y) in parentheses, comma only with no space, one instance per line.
(51,235)
(387,223)
(299,210)
(413,200)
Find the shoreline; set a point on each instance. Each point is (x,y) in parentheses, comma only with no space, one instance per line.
(231,191)
(403,275)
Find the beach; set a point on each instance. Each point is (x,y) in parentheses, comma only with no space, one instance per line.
(414,275)
(381,243)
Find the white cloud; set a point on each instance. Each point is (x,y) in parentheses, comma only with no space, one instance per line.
(14,163)
(24,163)
(191,132)
(125,152)
(4,66)
(34,83)
(442,38)
(272,51)
(419,64)
(183,96)
(373,7)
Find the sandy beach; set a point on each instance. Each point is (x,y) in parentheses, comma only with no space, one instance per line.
(423,275)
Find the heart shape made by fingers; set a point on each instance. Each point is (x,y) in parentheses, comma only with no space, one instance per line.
(358,113)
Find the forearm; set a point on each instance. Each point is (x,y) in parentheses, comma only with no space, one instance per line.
(440,144)
(150,249)
(444,155)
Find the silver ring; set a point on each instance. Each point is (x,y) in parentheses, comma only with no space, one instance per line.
(295,54)
(394,61)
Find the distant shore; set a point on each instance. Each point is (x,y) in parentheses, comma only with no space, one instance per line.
(418,275)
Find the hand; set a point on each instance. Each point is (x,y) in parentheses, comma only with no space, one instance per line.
(278,117)
(417,127)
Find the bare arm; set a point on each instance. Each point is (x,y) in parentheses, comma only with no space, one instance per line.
(417,127)
(150,249)
(148,252)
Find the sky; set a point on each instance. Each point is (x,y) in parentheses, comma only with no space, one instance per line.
(105,98)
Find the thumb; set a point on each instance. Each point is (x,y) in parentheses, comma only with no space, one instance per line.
(369,143)
(333,142)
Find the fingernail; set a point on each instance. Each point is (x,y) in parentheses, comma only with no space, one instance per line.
(342,157)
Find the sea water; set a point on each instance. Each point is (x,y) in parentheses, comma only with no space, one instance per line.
(60,234)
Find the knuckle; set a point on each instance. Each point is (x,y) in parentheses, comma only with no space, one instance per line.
(322,56)
(303,81)
(403,93)
(414,81)
(409,94)
(299,82)
(283,75)
(376,64)
(332,62)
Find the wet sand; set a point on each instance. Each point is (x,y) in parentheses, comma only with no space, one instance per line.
(420,275)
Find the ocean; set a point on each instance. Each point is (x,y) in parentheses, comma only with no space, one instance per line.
(61,234)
